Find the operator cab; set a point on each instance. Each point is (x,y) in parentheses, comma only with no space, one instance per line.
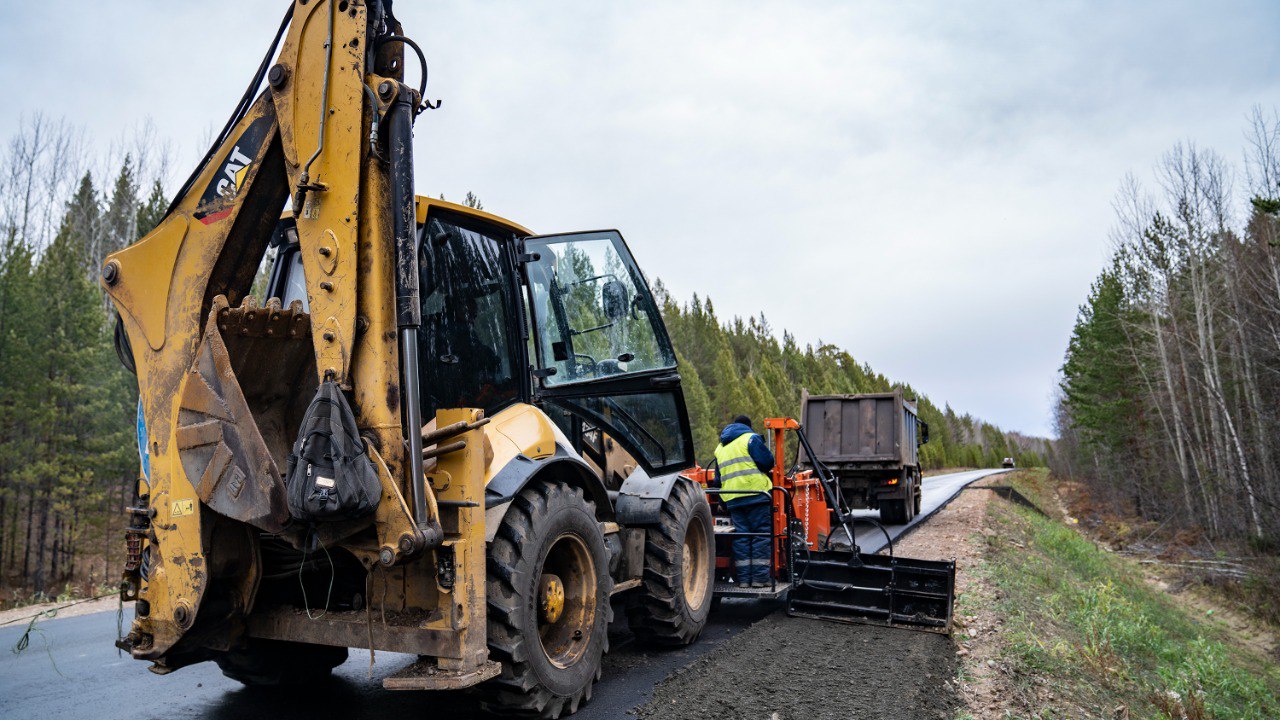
(566,322)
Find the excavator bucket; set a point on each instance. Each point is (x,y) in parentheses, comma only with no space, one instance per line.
(847,585)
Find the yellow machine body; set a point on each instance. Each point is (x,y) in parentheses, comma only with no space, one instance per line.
(224,376)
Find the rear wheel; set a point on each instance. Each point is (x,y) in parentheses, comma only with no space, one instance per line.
(900,512)
(674,597)
(272,663)
(548,603)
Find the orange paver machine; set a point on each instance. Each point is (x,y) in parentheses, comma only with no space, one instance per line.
(817,566)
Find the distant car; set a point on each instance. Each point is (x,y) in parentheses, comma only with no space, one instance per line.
(1008,462)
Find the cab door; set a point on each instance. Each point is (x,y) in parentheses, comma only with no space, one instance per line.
(601,353)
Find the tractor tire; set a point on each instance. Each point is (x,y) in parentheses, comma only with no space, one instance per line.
(548,603)
(276,663)
(675,595)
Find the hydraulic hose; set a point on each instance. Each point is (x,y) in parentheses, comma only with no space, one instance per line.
(832,490)
(242,108)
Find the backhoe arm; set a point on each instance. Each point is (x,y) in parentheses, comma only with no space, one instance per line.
(214,392)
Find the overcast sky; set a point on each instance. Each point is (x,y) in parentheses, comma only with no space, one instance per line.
(925,184)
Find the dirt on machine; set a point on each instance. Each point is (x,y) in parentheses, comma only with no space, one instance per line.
(435,432)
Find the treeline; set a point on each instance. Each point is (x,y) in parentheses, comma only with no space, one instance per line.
(67,407)
(1170,402)
(68,455)
(740,366)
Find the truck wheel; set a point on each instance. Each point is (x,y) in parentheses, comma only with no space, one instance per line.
(675,593)
(896,512)
(270,663)
(919,495)
(548,603)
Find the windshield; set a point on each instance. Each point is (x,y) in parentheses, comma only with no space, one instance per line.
(592,309)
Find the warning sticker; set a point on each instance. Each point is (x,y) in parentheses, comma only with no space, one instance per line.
(182,508)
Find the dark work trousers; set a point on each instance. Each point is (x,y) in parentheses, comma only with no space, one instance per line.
(751,556)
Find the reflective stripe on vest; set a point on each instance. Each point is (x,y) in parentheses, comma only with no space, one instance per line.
(737,470)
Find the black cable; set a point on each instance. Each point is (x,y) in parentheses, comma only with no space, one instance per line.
(242,108)
(422,60)
(124,350)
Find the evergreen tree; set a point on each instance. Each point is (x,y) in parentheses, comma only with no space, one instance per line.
(68,399)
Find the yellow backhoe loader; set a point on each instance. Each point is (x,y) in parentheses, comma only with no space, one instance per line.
(515,401)
(433,433)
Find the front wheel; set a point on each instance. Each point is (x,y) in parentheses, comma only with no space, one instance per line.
(674,597)
(548,603)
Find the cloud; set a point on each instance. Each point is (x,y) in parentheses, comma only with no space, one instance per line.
(927,185)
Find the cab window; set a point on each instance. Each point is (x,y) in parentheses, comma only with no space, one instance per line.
(592,310)
(469,336)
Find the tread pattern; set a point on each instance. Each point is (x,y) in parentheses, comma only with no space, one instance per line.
(659,614)
(525,530)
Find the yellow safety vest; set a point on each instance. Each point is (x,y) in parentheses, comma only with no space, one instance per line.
(738,471)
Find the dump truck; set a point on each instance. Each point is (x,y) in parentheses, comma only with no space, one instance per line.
(435,432)
(871,444)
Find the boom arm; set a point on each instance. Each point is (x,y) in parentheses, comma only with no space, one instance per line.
(305,138)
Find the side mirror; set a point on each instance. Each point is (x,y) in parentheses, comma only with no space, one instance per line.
(924,433)
(616,300)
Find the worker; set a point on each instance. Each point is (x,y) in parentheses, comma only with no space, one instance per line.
(743,462)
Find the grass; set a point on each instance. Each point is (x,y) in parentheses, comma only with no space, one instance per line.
(1086,635)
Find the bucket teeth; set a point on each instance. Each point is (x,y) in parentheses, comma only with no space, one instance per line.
(272,320)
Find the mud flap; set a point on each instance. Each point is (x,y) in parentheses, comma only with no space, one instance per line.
(855,587)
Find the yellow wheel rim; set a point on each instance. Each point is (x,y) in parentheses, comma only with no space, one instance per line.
(694,560)
(567,600)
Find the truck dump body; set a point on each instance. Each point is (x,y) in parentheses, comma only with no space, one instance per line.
(861,432)
(870,443)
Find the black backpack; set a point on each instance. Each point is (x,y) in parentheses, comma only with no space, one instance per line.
(330,477)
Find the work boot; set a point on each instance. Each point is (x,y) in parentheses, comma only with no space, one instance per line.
(744,584)
(759,584)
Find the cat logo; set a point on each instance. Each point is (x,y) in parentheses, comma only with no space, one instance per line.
(217,201)
(233,172)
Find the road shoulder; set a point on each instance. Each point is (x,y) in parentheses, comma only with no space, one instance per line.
(66,609)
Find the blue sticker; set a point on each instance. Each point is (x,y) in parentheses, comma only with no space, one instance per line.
(144,455)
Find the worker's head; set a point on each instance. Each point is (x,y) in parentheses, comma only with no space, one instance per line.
(743,420)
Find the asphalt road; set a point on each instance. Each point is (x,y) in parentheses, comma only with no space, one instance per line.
(72,670)
(938,491)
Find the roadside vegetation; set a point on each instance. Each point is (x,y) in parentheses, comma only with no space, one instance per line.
(1086,634)
(1167,416)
